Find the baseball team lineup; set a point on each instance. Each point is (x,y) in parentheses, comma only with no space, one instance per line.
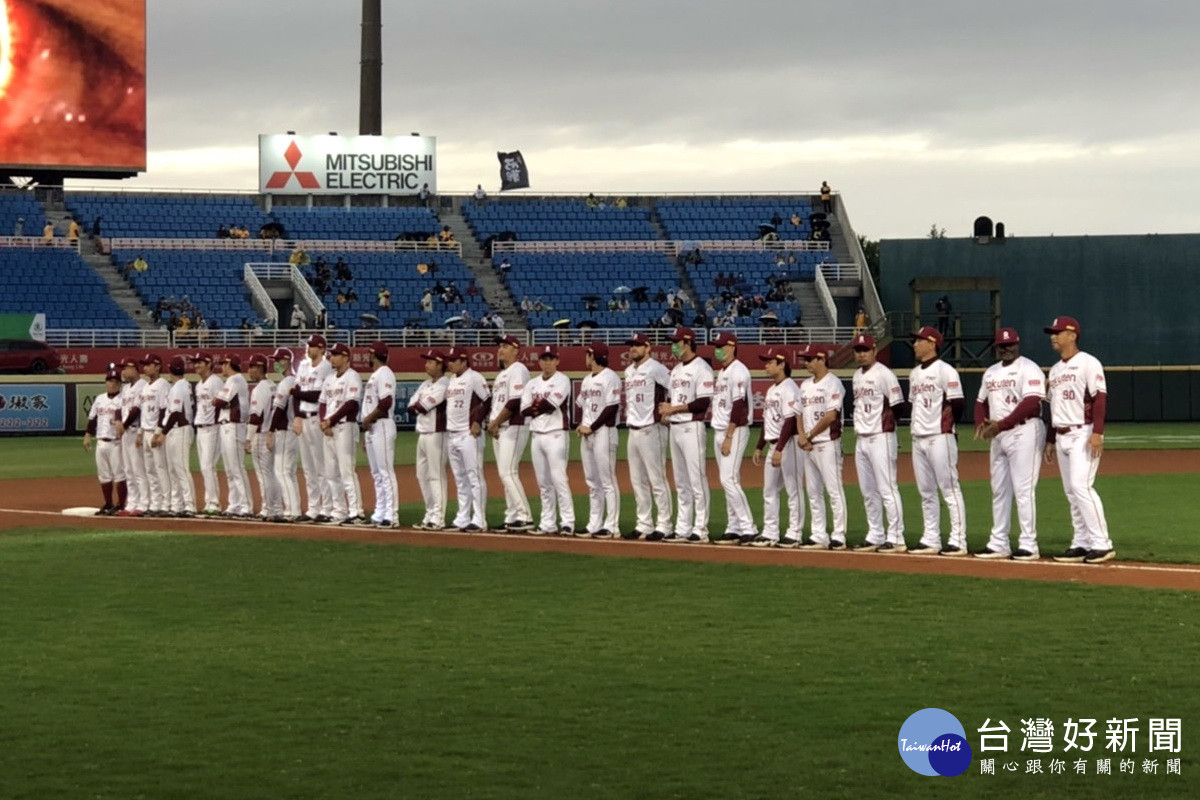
(309,415)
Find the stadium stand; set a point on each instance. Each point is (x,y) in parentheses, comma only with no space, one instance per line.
(166,216)
(558,220)
(211,280)
(734,217)
(57,282)
(20,206)
(380,224)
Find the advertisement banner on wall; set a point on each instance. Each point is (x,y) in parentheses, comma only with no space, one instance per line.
(23,326)
(85,395)
(290,164)
(33,408)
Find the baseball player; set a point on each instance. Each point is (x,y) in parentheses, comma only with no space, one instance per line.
(233,404)
(340,400)
(782,467)
(176,440)
(1008,414)
(208,442)
(428,405)
(378,426)
(818,432)
(310,377)
(509,435)
(685,408)
(731,406)
(647,385)
(599,403)
(103,419)
(466,395)
(258,429)
(132,385)
(1078,399)
(878,402)
(282,440)
(936,394)
(153,409)
(544,403)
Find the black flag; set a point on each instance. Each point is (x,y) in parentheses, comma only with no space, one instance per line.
(513,172)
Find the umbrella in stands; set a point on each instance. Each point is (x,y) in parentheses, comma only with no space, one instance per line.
(622,290)
(451,321)
(588,323)
(369,320)
(562,323)
(768,318)
(765,228)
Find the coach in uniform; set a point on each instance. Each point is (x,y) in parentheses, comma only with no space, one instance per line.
(783,466)
(509,435)
(129,431)
(310,377)
(208,440)
(647,385)
(599,404)
(818,432)
(690,396)
(262,456)
(378,427)
(428,405)
(732,401)
(103,419)
(154,457)
(466,394)
(340,401)
(544,403)
(1008,414)
(176,440)
(233,404)
(1078,398)
(878,401)
(282,440)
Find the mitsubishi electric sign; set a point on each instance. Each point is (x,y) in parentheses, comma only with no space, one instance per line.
(290,164)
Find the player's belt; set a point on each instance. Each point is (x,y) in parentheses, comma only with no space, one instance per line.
(1067,428)
(107,440)
(641,427)
(205,424)
(688,422)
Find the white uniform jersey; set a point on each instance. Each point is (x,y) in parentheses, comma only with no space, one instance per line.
(380,385)
(876,392)
(282,399)
(689,382)
(557,390)
(154,402)
(431,396)
(732,384)
(508,386)
(236,394)
(179,401)
(106,412)
(339,390)
(1074,385)
(1003,387)
(207,391)
(930,390)
(596,393)
(131,397)
(782,400)
(262,405)
(640,391)
(817,398)
(464,393)
(310,378)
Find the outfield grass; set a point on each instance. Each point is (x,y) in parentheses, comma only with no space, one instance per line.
(167,666)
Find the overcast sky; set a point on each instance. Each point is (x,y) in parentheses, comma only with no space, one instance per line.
(1058,116)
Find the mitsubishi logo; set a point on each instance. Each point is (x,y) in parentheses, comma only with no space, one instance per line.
(307,180)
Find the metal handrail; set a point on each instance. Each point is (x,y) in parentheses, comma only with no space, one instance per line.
(258,296)
(826,298)
(303,294)
(278,246)
(666,247)
(106,337)
(37,242)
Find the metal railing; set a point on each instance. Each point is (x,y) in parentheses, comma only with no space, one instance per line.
(671,247)
(259,298)
(304,296)
(826,298)
(278,246)
(106,337)
(37,242)
(440,337)
(840,272)
(252,338)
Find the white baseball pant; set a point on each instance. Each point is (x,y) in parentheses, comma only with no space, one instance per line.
(875,461)
(598,452)
(380,443)
(431,476)
(1078,470)
(109,466)
(312,458)
(688,465)
(287,449)
(179,453)
(1016,464)
(340,462)
(935,462)
(263,461)
(208,448)
(549,452)
(740,519)
(823,475)
(158,479)
(789,475)
(647,457)
(233,458)
(138,496)
(462,451)
(509,449)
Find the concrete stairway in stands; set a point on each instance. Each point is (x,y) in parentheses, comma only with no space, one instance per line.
(495,293)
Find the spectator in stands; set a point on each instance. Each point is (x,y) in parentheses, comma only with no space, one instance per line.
(591,201)
(384,298)
(719,281)
(48,233)
(139,264)
(505,266)
(526,304)
(321,265)
(660,297)
(73,231)
(342,270)
(826,197)
(943,309)
(860,320)
(299,320)
(620,202)
(776,220)
(222,232)
(426,196)
(341,297)
(19,228)
(796,220)
(299,257)
(480,195)
(446,236)
(323,320)
(427,301)
(472,290)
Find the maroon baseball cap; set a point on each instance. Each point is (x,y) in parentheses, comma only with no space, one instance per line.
(340,349)
(598,349)
(379,350)
(683,334)
(637,339)
(234,361)
(201,357)
(508,339)
(549,351)
(929,333)
(723,338)
(863,341)
(433,355)
(177,366)
(128,361)
(774,354)
(455,353)
(1061,324)
(316,340)
(282,353)
(814,351)
(151,358)
(113,373)
(258,360)
(1006,336)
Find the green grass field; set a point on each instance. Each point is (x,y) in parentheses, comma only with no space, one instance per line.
(160,665)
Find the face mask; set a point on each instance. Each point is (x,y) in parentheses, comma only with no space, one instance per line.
(676,349)
(720,353)
(279,368)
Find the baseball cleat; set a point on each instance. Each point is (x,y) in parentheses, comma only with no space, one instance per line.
(728,538)
(383,523)
(788,542)
(764,541)
(865,547)
(301,518)
(1098,556)
(673,538)
(582,533)
(322,519)
(567,530)
(656,536)
(633,534)
(837,544)
(694,538)
(922,549)
(888,548)
(519,526)
(1074,555)
(952,550)
(1025,555)
(988,552)
(809,544)
(747,538)
(471,528)
(603,533)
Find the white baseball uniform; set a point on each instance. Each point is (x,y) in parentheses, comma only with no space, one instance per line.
(692,385)
(262,398)
(102,423)
(544,402)
(646,385)
(340,400)
(310,377)
(599,402)
(158,479)
(177,426)
(233,404)
(380,442)
(931,388)
(732,402)
(781,401)
(1078,397)
(823,468)
(509,445)
(428,404)
(877,392)
(138,498)
(286,446)
(465,396)
(1011,395)
(208,440)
